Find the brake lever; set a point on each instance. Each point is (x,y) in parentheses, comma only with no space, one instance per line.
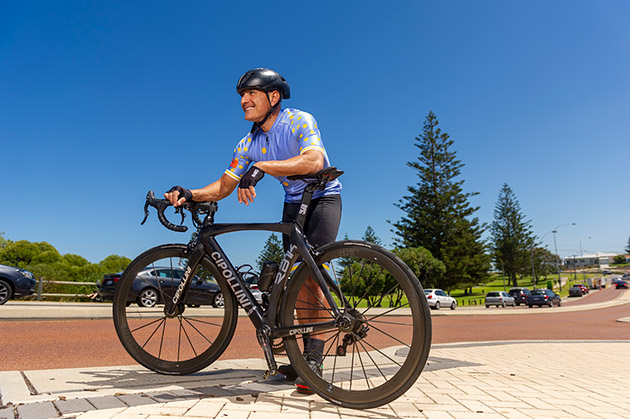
(146,209)
(180,210)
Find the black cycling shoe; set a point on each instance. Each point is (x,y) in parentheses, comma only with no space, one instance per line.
(300,385)
(288,372)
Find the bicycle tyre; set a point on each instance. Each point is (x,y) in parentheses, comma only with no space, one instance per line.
(382,362)
(180,344)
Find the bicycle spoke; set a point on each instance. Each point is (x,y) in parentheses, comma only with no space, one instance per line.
(391,336)
(378,303)
(197,330)
(181,325)
(376,316)
(148,324)
(383,353)
(162,339)
(362,366)
(322,306)
(149,338)
(393,323)
(372,359)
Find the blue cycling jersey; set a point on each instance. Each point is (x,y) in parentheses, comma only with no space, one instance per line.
(294,132)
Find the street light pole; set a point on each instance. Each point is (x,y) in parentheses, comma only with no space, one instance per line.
(582,260)
(554,231)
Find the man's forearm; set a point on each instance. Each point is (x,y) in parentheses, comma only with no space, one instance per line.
(310,162)
(216,190)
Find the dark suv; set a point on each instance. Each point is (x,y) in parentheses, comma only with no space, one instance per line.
(15,282)
(519,294)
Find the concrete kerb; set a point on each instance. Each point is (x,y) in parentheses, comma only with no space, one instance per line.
(460,380)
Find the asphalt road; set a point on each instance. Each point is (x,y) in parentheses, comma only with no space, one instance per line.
(33,345)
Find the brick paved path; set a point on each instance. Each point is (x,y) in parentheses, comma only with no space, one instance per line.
(482,380)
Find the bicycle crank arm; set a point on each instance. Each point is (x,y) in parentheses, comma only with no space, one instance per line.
(265,343)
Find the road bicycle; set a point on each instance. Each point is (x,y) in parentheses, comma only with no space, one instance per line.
(373,317)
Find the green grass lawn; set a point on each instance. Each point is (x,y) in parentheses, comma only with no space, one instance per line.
(499,284)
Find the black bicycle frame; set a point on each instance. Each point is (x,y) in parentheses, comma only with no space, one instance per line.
(206,244)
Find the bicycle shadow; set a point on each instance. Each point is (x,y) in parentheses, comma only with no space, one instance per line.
(133,378)
(233,385)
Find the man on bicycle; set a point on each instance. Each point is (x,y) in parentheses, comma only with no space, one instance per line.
(282,143)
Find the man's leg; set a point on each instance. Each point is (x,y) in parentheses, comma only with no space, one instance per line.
(322,225)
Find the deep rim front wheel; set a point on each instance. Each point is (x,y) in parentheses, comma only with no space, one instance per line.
(173,340)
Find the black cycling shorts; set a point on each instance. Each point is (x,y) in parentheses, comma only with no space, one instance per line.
(322,219)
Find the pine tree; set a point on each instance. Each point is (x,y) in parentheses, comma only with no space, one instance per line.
(512,237)
(371,237)
(438,214)
(627,249)
(272,251)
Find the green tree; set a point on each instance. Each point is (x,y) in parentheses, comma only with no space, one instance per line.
(511,236)
(23,253)
(545,263)
(619,259)
(272,251)
(3,241)
(428,269)
(438,215)
(371,237)
(627,249)
(114,264)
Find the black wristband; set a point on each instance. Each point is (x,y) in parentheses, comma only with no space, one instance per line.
(251,177)
(183,193)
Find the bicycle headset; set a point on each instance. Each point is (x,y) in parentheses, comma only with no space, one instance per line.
(265,80)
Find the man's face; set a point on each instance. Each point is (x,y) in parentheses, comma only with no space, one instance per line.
(256,105)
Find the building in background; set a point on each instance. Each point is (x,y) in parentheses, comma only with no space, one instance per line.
(596,260)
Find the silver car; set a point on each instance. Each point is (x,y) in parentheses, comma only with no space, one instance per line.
(499,298)
(438,298)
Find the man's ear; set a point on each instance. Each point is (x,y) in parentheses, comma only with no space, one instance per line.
(274,97)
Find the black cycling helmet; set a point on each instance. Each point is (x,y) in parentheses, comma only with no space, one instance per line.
(265,80)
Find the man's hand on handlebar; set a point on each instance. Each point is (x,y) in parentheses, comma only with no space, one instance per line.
(178,195)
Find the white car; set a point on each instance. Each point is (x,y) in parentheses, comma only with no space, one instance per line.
(438,298)
(499,298)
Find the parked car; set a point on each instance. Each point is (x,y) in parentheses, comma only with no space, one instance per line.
(438,298)
(626,276)
(575,291)
(583,287)
(621,284)
(614,281)
(499,298)
(606,272)
(15,282)
(251,279)
(154,284)
(519,294)
(543,297)
(107,285)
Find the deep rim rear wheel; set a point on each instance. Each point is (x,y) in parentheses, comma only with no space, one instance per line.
(379,347)
(180,343)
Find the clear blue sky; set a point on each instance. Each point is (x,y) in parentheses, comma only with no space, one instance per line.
(102,101)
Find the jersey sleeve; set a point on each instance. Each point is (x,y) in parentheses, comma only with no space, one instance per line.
(304,126)
(240,162)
